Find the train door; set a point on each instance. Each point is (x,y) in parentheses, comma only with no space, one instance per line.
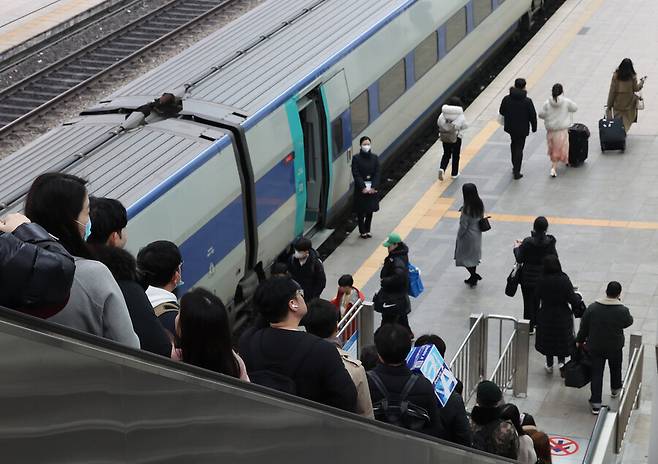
(312,117)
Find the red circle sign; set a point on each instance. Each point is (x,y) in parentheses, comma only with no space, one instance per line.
(562,446)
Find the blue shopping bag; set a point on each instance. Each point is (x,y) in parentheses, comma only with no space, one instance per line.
(416,286)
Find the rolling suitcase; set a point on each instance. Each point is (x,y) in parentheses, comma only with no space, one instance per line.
(578,144)
(612,134)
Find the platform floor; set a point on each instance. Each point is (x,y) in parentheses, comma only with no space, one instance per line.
(23,20)
(603,214)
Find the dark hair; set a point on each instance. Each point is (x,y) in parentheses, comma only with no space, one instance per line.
(552,265)
(613,290)
(556,91)
(431,339)
(302,244)
(321,319)
(55,201)
(363,139)
(107,215)
(272,297)
(158,262)
(120,262)
(511,413)
(473,205)
(454,101)
(393,343)
(540,225)
(205,333)
(519,83)
(369,357)
(346,280)
(625,71)
(542,446)
(279,268)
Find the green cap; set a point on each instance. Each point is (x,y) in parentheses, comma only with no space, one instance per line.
(393,238)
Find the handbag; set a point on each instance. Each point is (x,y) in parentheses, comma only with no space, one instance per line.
(577,372)
(578,309)
(416,286)
(513,280)
(484,224)
(639,101)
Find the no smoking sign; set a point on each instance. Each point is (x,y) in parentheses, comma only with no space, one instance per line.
(563,446)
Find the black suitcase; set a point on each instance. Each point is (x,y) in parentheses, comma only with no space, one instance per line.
(578,144)
(612,134)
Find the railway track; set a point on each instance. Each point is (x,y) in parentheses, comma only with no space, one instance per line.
(41,91)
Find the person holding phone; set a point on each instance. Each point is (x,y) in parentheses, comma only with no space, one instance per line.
(366,173)
(623,99)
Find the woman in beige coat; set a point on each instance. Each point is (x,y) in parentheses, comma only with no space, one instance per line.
(622,97)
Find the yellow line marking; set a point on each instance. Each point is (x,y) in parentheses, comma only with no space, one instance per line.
(567,221)
(420,215)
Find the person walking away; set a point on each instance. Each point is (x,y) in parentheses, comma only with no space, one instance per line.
(519,116)
(531,253)
(60,204)
(306,268)
(558,301)
(365,171)
(347,294)
(451,123)
(490,432)
(322,321)
(527,454)
(392,300)
(602,330)
(282,357)
(391,378)
(468,249)
(622,96)
(204,334)
(556,115)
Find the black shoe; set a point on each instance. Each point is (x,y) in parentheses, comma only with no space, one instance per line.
(518,176)
(368,235)
(363,235)
(471,281)
(478,276)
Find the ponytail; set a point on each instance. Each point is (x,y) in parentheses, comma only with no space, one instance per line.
(557,91)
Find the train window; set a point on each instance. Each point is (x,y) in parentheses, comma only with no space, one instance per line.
(481,9)
(360,109)
(337,136)
(426,55)
(391,85)
(455,29)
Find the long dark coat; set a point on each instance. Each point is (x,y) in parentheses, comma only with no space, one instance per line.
(468,247)
(365,167)
(531,254)
(555,327)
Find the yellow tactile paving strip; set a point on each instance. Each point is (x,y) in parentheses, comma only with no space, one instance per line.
(32,25)
(432,207)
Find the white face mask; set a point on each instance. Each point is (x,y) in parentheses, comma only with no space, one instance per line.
(300,254)
(365,148)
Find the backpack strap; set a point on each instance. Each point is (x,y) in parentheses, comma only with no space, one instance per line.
(377,381)
(408,387)
(165,307)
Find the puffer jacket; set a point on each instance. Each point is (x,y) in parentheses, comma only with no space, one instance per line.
(452,119)
(395,272)
(556,113)
(531,254)
(36,271)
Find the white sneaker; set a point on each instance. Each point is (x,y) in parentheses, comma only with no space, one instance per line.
(441,172)
(455,176)
(548,369)
(553,173)
(560,366)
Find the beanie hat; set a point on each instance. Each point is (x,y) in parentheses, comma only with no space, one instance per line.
(488,394)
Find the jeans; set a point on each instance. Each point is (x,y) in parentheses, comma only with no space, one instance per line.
(530,304)
(517,145)
(549,360)
(365,219)
(451,150)
(614,359)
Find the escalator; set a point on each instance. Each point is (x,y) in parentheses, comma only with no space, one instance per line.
(69,397)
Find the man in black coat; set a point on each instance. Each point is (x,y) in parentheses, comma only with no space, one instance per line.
(306,268)
(393,343)
(519,114)
(392,300)
(602,328)
(36,271)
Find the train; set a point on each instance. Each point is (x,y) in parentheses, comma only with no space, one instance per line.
(272,107)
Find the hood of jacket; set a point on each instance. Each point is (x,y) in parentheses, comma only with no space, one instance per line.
(517,94)
(609,301)
(120,262)
(451,112)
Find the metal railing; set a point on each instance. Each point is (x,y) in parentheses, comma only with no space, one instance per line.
(356,329)
(631,390)
(469,364)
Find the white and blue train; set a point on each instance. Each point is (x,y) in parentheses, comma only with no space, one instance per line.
(273,107)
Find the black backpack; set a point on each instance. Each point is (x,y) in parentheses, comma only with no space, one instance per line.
(397,409)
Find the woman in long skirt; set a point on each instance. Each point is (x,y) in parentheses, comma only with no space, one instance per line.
(556,114)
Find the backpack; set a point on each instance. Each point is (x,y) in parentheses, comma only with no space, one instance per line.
(490,439)
(416,286)
(397,409)
(268,374)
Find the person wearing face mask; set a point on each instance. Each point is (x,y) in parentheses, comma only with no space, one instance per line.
(365,170)
(306,268)
(59,203)
(161,266)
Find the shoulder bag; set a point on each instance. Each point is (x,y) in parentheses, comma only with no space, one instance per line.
(484,224)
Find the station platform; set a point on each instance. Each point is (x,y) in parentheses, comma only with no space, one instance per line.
(28,22)
(604,214)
